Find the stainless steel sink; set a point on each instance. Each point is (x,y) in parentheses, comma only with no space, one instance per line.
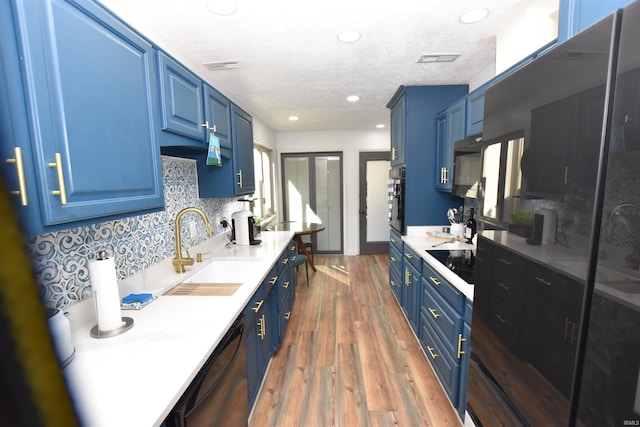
(220,277)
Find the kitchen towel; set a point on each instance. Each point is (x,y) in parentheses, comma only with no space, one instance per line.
(213,156)
(105,289)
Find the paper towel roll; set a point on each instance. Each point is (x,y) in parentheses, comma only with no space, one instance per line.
(105,287)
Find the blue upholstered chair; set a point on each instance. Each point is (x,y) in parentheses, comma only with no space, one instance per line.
(299,259)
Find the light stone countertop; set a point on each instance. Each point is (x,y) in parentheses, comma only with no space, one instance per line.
(135,379)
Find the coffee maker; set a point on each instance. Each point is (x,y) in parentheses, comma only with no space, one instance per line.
(243,228)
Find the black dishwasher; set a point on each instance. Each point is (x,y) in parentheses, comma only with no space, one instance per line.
(218,394)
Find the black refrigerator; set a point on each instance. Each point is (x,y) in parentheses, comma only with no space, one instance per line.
(577,109)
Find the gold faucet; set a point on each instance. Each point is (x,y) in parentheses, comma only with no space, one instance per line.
(179,262)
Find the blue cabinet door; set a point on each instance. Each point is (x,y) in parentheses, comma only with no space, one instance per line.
(475,111)
(181,100)
(398,117)
(91,95)
(451,127)
(218,117)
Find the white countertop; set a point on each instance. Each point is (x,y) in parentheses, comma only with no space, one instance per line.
(135,379)
(420,241)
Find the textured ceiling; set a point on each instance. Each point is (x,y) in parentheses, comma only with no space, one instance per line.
(290,62)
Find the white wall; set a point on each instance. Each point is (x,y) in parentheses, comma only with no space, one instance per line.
(350,143)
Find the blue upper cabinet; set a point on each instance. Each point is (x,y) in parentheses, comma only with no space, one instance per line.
(236,176)
(397,105)
(576,15)
(218,119)
(80,95)
(450,127)
(475,111)
(181,99)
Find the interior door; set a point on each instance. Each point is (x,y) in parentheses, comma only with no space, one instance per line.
(374,202)
(312,193)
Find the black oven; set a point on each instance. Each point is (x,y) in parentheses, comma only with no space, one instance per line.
(467,167)
(396,196)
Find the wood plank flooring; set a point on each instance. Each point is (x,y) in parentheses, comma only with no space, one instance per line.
(349,357)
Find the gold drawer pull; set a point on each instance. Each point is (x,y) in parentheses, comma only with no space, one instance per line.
(541,280)
(504,261)
(460,341)
(240,178)
(286,284)
(261,328)
(393,283)
(258,305)
(22,185)
(285,261)
(394,259)
(500,318)
(434,280)
(433,313)
(407,277)
(503,286)
(408,255)
(433,355)
(273,281)
(287,316)
(393,240)
(62,192)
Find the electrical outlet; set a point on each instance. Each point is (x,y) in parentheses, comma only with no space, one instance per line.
(192,229)
(218,219)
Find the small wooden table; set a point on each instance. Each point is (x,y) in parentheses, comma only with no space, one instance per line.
(300,229)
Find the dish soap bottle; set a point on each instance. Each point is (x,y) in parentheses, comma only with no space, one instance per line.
(470,226)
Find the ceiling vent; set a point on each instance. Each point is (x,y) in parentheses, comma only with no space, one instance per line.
(222,65)
(438,57)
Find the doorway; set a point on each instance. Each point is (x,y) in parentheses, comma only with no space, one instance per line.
(374,202)
(312,193)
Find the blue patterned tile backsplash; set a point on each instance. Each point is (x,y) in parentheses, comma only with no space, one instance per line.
(60,259)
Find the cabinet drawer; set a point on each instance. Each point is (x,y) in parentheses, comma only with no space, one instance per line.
(505,322)
(508,287)
(395,259)
(436,283)
(255,304)
(396,240)
(553,283)
(415,259)
(443,318)
(447,368)
(508,261)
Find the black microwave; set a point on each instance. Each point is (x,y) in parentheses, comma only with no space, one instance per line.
(467,167)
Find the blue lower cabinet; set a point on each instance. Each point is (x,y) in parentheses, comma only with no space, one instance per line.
(465,353)
(445,365)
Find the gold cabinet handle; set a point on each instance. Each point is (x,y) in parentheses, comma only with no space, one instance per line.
(434,280)
(287,316)
(500,318)
(408,255)
(258,305)
(444,175)
(573,332)
(504,261)
(285,261)
(433,313)
(460,341)
(273,280)
(286,284)
(433,355)
(261,327)
(393,240)
(22,185)
(394,155)
(240,178)
(394,259)
(566,174)
(541,280)
(393,283)
(206,125)
(407,277)
(62,192)
(503,286)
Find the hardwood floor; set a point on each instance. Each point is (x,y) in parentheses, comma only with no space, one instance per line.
(349,357)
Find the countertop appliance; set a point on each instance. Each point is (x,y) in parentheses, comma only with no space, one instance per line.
(218,394)
(526,363)
(396,196)
(243,228)
(460,262)
(467,167)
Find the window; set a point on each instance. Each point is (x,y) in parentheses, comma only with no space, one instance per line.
(263,205)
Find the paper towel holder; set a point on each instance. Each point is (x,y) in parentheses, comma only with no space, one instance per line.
(127,323)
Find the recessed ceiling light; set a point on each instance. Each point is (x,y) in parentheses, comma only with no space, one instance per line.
(438,57)
(293,118)
(349,36)
(353,98)
(380,126)
(474,15)
(222,7)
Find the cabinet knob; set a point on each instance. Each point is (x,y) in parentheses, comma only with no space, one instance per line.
(22,186)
